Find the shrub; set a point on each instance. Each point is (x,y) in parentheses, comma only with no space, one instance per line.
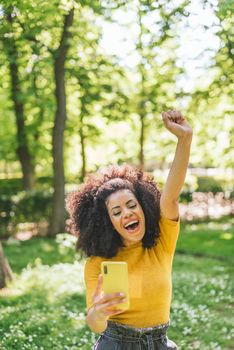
(13,186)
(10,186)
(209,184)
(186,197)
(25,206)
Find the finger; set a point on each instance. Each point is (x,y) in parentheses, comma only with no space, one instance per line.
(175,115)
(98,289)
(107,311)
(172,113)
(109,302)
(108,297)
(165,116)
(102,307)
(179,117)
(113,312)
(168,113)
(166,119)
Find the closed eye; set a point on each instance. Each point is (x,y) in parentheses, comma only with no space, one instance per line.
(130,206)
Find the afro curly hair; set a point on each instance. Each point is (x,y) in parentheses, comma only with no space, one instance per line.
(89,218)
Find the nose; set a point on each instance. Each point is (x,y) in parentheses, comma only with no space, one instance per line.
(127,213)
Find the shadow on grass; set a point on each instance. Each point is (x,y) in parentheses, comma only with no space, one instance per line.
(23,253)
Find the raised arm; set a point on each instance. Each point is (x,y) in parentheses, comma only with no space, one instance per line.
(177,125)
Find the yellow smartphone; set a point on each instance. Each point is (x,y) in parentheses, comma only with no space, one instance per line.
(115,280)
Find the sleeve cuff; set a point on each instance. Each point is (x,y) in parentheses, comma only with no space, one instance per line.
(170,222)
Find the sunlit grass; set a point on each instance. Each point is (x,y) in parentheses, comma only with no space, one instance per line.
(212,239)
(50,252)
(47,310)
(202,308)
(44,308)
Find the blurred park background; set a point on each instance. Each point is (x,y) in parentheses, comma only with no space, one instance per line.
(82,85)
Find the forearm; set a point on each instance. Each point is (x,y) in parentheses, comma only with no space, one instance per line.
(177,173)
(96,324)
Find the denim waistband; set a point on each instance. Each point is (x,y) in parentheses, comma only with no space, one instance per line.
(115,328)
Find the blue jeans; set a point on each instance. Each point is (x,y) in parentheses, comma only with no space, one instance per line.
(121,337)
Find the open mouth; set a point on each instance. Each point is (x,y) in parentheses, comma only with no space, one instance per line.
(132,226)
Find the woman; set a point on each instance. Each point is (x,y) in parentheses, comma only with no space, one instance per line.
(120,215)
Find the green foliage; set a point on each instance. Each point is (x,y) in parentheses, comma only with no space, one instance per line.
(6,214)
(105,97)
(17,206)
(211,105)
(208,184)
(95,93)
(13,186)
(25,206)
(186,197)
(32,205)
(156,71)
(10,186)
(214,184)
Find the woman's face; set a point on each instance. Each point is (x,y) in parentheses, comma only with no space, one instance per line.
(126,216)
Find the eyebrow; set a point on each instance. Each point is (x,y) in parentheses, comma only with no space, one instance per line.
(125,203)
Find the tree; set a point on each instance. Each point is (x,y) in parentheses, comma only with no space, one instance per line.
(57,223)
(96,80)
(24,42)
(5,270)
(156,69)
(212,99)
(10,39)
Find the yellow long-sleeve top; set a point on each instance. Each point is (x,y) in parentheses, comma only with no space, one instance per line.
(150,282)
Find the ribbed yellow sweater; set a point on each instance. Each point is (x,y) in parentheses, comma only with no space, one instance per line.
(150,284)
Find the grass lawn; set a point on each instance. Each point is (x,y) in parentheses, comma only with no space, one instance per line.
(44,308)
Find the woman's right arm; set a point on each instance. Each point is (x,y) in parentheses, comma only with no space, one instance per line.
(104,306)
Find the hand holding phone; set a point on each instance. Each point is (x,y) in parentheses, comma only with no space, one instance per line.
(105,305)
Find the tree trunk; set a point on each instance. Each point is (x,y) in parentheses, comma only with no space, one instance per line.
(142,110)
(142,141)
(5,270)
(82,151)
(23,153)
(57,222)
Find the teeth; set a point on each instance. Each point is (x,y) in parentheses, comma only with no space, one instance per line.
(130,223)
